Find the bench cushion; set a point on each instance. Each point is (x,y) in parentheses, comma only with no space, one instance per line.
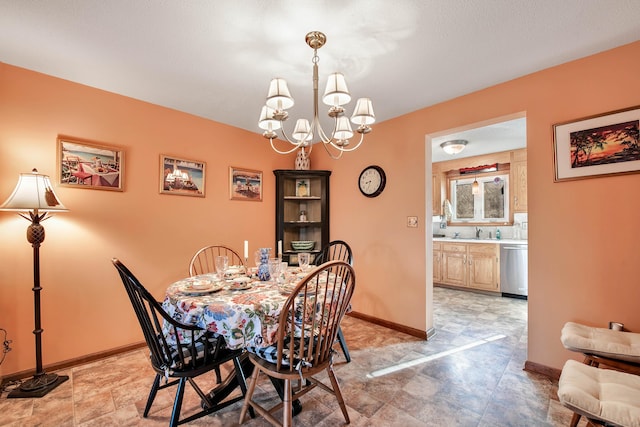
(601,394)
(601,342)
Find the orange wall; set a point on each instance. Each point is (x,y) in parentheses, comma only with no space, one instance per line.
(84,305)
(582,234)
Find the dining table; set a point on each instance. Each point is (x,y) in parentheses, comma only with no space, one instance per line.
(239,307)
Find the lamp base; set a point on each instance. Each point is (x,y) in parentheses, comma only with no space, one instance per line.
(38,386)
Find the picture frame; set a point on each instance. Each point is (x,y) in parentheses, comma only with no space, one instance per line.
(303,187)
(182,177)
(245,184)
(87,164)
(597,146)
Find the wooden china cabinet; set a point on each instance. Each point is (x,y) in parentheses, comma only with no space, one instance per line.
(302,210)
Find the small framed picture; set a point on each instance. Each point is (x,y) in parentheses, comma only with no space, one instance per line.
(245,184)
(88,164)
(181,177)
(303,188)
(596,146)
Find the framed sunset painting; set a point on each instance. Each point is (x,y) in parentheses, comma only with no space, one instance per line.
(606,144)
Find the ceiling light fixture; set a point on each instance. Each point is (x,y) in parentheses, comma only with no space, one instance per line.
(336,95)
(454,146)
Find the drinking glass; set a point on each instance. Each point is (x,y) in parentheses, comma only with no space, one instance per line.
(303,260)
(274,267)
(222,264)
(282,276)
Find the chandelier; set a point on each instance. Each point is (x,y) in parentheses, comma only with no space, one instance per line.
(336,95)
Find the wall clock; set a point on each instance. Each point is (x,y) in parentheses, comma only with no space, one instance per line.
(372,181)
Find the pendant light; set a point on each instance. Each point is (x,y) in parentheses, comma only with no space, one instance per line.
(475,187)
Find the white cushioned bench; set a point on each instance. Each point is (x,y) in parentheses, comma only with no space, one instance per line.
(603,395)
(607,343)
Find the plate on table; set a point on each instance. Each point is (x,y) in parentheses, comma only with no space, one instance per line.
(239,284)
(234,269)
(287,289)
(200,287)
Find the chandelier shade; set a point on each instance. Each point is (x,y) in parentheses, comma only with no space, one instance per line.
(454,146)
(336,92)
(343,129)
(363,114)
(279,97)
(336,95)
(302,131)
(266,121)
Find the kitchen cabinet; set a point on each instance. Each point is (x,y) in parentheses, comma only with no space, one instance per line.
(454,264)
(470,265)
(302,210)
(519,180)
(437,262)
(484,266)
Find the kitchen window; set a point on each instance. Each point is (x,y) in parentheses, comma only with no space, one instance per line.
(489,205)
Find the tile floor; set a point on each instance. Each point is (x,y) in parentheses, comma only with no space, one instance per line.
(469,374)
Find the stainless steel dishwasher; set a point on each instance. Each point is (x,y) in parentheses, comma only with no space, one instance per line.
(513,270)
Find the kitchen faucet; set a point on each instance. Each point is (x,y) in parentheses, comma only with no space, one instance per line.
(478,231)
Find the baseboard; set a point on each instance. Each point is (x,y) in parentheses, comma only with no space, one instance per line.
(73,362)
(537,368)
(104,354)
(395,326)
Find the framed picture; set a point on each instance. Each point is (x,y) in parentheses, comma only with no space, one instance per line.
(87,164)
(245,184)
(181,177)
(303,188)
(606,144)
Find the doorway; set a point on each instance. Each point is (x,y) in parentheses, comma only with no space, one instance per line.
(500,136)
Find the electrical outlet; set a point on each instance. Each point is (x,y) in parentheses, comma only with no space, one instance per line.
(412,221)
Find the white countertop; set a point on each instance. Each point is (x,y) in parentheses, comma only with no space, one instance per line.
(472,240)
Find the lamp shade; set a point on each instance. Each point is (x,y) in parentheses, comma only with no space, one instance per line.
(302,131)
(343,129)
(33,192)
(475,187)
(266,121)
(454,146)
(336,92)
(363,113)
(279,97)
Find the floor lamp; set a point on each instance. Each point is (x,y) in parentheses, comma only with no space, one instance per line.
(34,194)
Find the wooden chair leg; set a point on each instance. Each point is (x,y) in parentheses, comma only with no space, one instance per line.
(338,393)
(247,398)
(287,416)
(575,420)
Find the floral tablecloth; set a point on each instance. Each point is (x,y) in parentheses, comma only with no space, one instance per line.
(245,318)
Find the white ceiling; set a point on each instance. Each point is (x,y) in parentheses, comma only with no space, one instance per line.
(215,59)
(492,138)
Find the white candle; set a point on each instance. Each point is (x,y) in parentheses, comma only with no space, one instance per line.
(280,248)
(246,249)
